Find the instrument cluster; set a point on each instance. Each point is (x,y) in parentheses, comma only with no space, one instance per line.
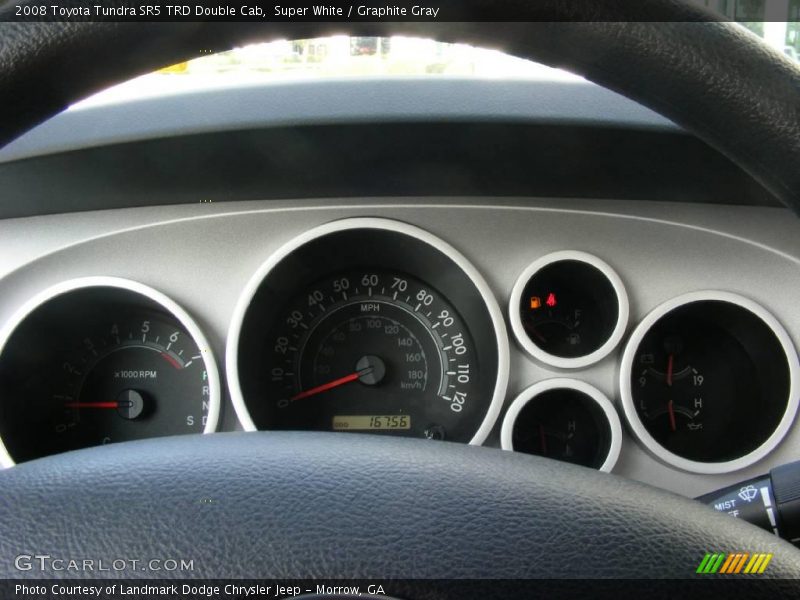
(373,325)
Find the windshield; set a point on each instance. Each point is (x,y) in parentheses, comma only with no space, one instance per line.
(342,56)
(334,57)
(338,57)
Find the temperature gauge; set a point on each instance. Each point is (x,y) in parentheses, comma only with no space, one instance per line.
(676,402)
(707,382)
(569,309)
(565,420)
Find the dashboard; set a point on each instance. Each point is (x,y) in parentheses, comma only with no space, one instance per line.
(632,312)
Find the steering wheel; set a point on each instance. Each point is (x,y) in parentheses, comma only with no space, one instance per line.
(297,505)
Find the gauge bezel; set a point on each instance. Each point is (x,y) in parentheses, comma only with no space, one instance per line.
(562,362)
(374,223)
(530,394)
(626,391)
(174,309)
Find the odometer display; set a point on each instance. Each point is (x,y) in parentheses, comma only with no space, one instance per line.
(365,342)
(371,422)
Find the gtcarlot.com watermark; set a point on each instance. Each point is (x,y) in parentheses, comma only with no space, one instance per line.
(46,563)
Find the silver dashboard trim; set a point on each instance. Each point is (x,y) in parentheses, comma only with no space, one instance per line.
(495,313)
(214,384)
(626,393)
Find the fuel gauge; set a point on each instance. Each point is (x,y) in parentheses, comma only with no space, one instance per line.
(566,420)
(569,309)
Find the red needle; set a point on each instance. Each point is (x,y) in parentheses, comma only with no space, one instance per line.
(327,386)
(92,405)
(542,440)
(670,362)
(671,410)
(535,332)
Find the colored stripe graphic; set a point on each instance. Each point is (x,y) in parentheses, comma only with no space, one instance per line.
(728,567)
(763,567)
(718,564)
(703,564)
(734,564)
(727,564)
(754,564)
(741,562)
(711,563)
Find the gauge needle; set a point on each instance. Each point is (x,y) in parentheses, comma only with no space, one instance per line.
(671,411)
(92,405)
(670,365)
(535,332)
(331,384)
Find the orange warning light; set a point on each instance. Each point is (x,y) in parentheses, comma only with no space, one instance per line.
(536,302)
(551,300)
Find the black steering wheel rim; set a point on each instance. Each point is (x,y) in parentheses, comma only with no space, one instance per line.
(297,505)
(711,78)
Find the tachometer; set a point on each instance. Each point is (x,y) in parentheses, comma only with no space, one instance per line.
(127,379)
(368,325)
(102,360)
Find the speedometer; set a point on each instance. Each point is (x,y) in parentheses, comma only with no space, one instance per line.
(373,351)
(372,326)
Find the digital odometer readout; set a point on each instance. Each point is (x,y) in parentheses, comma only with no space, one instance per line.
(371,422)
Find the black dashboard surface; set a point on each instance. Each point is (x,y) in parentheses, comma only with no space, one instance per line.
(495,139)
